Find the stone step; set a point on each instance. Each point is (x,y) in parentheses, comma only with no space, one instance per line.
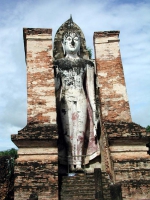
(78,192)
(82,187)
(81,183)
(78,183)
(77,197)
(78,178)
(78,187)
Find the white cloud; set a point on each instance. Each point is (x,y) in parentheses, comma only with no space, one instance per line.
(131,18)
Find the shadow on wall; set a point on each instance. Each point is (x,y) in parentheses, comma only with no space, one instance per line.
(33,196)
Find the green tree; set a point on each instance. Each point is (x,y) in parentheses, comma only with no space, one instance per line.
(11,152)
(90,52)
(148,128)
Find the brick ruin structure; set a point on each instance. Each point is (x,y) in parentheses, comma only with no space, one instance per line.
(121,171)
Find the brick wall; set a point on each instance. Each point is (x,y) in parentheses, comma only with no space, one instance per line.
(110,77)
(36,175)
(36,169)
(130,162)
(41,106)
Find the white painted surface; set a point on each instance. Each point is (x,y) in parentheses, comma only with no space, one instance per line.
(73,101)
(100,40)
(39,36)
(103,74)
(37,151)
(120,89)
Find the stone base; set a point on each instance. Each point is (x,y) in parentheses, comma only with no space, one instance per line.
(36,176)
(129,160)
(138,190)
(36,168)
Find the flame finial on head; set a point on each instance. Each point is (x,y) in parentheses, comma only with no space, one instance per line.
(70,24)
(70,29)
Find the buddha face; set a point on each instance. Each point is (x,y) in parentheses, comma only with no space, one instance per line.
(71,43)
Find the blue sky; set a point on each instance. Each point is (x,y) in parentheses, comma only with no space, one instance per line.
(132,18)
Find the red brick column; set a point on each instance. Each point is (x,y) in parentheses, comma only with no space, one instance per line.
(36,169)
(40,78)
(111,82)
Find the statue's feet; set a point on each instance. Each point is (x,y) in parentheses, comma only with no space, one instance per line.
(78,166)
(79,170)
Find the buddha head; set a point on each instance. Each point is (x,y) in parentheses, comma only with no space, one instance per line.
(69,32)
(71,42)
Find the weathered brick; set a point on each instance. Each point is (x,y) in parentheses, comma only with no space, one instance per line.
(41,106)
(110,77)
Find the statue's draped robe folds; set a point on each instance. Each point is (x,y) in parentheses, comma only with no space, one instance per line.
(74,88)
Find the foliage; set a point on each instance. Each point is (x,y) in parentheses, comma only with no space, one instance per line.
(148,128)
(11,152)
(90,52)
